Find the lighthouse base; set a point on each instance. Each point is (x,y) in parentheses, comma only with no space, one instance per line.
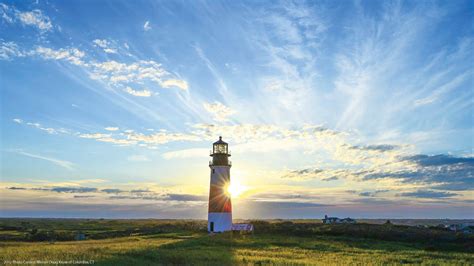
(219,221)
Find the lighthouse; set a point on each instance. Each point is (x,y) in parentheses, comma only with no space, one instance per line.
(220,208)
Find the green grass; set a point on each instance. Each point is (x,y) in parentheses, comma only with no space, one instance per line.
(168,242)
(224,249)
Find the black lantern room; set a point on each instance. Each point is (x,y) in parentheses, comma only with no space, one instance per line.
(220,153)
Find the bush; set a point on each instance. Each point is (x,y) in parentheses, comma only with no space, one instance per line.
(372,231)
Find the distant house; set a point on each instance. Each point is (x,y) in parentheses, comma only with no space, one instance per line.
(336,220)
(331,220)
(348,221)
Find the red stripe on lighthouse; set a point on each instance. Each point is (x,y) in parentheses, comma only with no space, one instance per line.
(219,200)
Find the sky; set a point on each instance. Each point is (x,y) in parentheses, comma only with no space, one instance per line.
(346,108)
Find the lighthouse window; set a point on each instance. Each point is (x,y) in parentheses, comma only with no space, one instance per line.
(213,171)
(220,148)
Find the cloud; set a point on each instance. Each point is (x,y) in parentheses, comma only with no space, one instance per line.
(376,201)
(435,171)
(139,190)
(440,160)
(219,111)
(7,13)
(185,197)
(9,50)
(272,203)
(381,147)
(372,193)
(112,190)
(125,137)
(49,130)
(16,188)
(355,163)
(115,74)
(72,55)
(100,43)
(307,173)
(318,174)
(34,18)
(95,136)
(261,133)
(59,189)
(132,138)
(182,84)
(119,74)
(18,120)
(247,137)
(72,189)
(287,46)
(456,82)
(65,164)
(428,194)
(107,138)
(105,45)
(111,128)
(83,196)
(163,197)
(37,19)
(332,178)
(282,204)
(160,137)
(146,26)
(138,93)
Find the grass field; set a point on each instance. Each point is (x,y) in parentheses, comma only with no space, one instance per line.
(178,242)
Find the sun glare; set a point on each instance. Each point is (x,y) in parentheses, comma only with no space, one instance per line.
(235,189)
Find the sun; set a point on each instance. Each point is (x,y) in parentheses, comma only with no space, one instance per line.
(235,189)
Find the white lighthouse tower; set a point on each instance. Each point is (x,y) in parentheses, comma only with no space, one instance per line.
(220,208)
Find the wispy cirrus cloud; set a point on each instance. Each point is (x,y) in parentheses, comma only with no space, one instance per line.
(62,163)
(115,74)
(36,125)
(286,43)
(138,93)
(377,50)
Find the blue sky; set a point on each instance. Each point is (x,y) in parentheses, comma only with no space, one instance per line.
(349,108)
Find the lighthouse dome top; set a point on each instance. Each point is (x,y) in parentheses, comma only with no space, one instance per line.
(220,141)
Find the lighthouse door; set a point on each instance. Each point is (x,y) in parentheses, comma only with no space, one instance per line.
(212,227)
